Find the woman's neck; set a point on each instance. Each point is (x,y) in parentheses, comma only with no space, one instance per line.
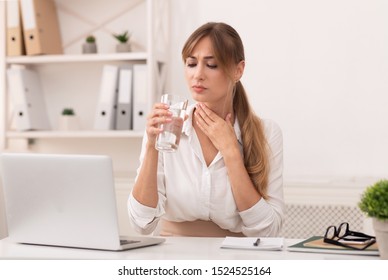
(222,110)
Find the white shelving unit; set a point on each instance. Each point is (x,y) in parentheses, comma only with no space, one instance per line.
(74,134)
(73,79)
(68,58)
(150,43)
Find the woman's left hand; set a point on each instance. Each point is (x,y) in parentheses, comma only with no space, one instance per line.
(219,131)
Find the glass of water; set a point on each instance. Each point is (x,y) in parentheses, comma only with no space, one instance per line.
(168,139)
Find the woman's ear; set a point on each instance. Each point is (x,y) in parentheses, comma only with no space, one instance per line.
(239,70)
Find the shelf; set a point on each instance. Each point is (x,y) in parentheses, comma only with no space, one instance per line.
(73,134)
(74,79)
(41,59)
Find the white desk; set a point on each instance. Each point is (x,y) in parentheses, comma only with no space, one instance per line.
(175,248)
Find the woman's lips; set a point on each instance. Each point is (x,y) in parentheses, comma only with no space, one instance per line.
(198,89)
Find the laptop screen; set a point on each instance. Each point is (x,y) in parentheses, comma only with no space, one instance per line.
(62,200)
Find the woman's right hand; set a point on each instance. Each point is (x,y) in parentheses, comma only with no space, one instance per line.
(158,116)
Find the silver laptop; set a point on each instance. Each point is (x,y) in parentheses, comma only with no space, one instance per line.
(64,200)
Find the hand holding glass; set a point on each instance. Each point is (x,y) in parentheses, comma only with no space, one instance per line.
(168,139)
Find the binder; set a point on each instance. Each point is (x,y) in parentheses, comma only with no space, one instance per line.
(106,107)
(140,97)
(15,41)
(124,100)
(41,27)
(27,97)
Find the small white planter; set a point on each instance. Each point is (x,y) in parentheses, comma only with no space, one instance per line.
(89,48)
(381,231)
(68,123)
(123,47)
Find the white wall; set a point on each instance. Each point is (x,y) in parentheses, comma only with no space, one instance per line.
(318,68)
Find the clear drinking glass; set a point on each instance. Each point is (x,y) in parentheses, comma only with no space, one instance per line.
(168,139)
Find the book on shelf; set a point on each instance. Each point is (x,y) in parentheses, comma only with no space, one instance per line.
(253,243)
(106,107)
(124,99)
(41,27)
(26,92)
(15,42)
(315,244)
(140,98)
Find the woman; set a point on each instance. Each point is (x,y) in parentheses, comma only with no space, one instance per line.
(226,177)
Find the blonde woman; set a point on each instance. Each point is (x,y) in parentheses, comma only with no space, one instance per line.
(226,177)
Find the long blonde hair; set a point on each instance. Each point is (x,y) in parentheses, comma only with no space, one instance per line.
(229,51)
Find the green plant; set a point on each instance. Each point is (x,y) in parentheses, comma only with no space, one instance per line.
(90,39)
(68,112)
(123,37)
(374,200)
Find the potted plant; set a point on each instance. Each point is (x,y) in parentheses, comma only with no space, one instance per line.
(90,45)
(123,45)
(68,120)
(374,203)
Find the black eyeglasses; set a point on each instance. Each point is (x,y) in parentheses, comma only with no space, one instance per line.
(344,237)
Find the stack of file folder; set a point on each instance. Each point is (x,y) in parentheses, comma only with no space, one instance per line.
(33,28)
(28,101)
(123,102)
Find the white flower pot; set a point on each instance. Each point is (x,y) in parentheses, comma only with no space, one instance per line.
(123,47)
(68,123)
(381,231)
(89,48)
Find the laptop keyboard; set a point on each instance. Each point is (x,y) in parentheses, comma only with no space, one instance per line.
(125,242)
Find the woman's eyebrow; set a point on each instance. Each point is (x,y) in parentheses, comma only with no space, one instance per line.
(205,57)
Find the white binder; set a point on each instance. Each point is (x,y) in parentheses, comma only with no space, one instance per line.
(105,113)
(140,97)
(28,100)
(124,100)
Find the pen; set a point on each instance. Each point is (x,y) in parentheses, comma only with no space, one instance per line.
(257,242)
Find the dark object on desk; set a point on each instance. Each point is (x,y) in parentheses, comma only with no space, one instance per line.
(316,244)
(256,242)
(344,237)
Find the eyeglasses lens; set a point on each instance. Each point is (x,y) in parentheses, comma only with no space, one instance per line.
(342,230)
(331,232)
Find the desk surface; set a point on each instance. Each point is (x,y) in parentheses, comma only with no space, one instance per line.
(175,248)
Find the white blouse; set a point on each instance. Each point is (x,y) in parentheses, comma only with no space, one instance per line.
(190,190)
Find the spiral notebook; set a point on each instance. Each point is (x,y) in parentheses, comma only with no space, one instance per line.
(253,243)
